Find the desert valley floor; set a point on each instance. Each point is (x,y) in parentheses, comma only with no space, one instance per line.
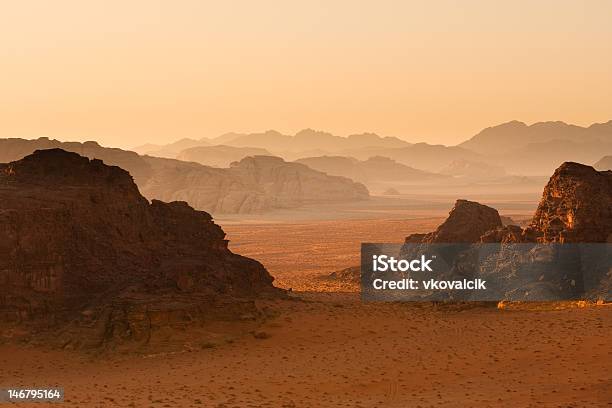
(324,348)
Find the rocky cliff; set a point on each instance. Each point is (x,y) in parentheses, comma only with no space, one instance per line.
(78,243)
(576,206)
(205,188)
(289,184)
(466,223)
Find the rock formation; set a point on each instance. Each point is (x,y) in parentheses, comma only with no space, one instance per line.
(466,223)
(78,243)
(205,188)
(576,206)
(289,184)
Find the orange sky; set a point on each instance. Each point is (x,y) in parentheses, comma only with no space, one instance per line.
(129,72)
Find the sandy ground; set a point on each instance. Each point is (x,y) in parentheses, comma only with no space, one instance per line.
(298,254)
(330,350)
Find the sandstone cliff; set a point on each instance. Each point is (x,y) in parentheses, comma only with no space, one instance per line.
(78,243)
(576,206)
(205,188)
(289,184)
(466,223)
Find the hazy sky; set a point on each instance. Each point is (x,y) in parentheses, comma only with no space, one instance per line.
(129,72)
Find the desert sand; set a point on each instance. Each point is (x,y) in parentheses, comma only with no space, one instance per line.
(325,348)
(330,350)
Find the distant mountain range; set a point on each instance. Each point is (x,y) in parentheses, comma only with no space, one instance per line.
(541,147)
(376,169)
(515,147)
(220,155)
(271,140)
(516,135)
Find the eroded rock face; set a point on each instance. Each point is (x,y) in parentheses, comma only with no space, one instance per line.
(236,190)
(288,184)
(576,206)
(466,223)
(78,241)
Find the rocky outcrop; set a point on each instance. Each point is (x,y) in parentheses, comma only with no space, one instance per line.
(78,243)
(289,184)
(214,190)
(466,223)
(576,206)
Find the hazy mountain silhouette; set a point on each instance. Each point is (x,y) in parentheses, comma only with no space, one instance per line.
(541,147)
(605,163)
(170,150)
(307,140)
(535,149)
(514,135)
(422,156)
(373,170)
(473,170)
(220,155)
(543,157)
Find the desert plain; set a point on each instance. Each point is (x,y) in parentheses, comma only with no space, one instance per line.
(323,347)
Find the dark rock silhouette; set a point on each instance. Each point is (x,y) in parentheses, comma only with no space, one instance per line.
(466,223)
(78,243)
